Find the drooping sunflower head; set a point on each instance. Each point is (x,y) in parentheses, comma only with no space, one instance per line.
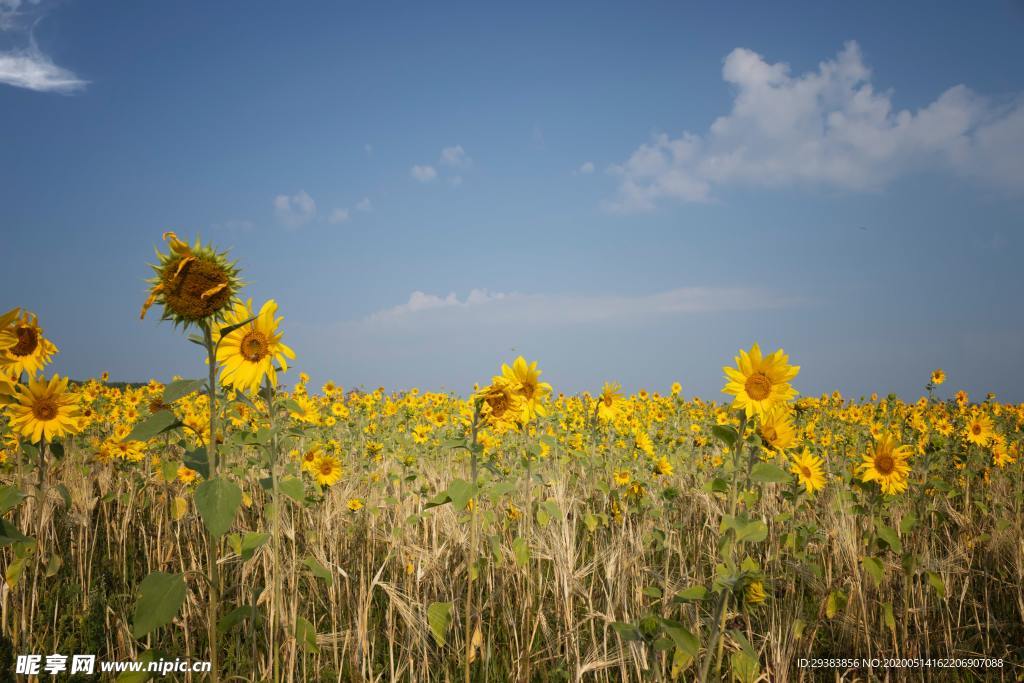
(23,348)
(886,463)
(249,353)
(192,283)
(759,383)
(44,409)
(500,404)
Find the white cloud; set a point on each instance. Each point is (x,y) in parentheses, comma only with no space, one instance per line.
(828,127)
(33,70)
(364,204)
(455,156)
(338,216)
(296,210)
(424,174)
(559,309)
(586,167)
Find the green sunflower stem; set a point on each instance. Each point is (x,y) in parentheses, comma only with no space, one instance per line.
(212,546)
(275,531)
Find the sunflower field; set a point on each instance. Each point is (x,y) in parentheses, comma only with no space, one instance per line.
(283,532)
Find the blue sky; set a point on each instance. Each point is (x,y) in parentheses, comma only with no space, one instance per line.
(627,191)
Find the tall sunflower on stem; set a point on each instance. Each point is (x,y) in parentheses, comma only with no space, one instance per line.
(23,348)
(192,283)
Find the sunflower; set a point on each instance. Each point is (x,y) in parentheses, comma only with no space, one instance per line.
(526,378)
(887,464)
(621,477)
(501,404)
(663,467)
(776,430)
(326,470)
(754,593)
(43,409)
(979,429)
(23,348)
(938,376)
(355,504)
(186,475)
(809,471)
(610,400)
(758,382)
(191,283)
(248,354)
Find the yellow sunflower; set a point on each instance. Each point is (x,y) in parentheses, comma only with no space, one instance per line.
(887,464)
(809,471)
(526,379)
(979,429)
(500,404)
(248,354)
(43,409)
(610,400)
(938,376)
(192,283)
(23,348)
(776,430)
(326,470)
(759,383)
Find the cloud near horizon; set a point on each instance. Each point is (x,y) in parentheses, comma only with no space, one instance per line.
(828,127)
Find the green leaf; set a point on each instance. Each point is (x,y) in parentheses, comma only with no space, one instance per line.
(10,498)
(293,488)
(237,616)
(725,434)
(683,639)
(887,616)
(835,603)
(180,388)
(652,592)
(768,472)
(197,460)
(160,597)
(936,582)
(907,523)
(159,422)
(873,566)
(753,531)
(717,485)
(460,492)
(140,676)
(888,534)
(439,618)
(305,635)
(692,593)
(317,569)
(251,542)
(521,551)
(218,501)
(9,534)
(628,632)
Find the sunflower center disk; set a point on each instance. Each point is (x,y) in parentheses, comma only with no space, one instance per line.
(28,340)
(758,386)
(254,346)
(885,464)
(44,409)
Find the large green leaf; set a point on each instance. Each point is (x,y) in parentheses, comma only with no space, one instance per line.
(768,472)
(439,618)
(725,434)
(293,488)
(305,634)
(160,598)
(10,498)
(218,501)
(888,534)
(180,388)
(9,534)
(159,422)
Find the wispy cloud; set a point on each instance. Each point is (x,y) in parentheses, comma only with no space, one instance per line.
(424,174)
(826,127)
(455,156)
(339,216)
(560,309)
(364,205)
(296,210)
(31,69)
